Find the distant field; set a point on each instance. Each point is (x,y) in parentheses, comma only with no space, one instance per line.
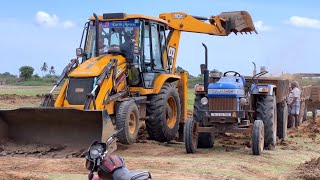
(32,83)
(190,99)
(25,90)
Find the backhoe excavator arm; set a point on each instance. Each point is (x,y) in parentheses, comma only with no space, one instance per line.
(220,25)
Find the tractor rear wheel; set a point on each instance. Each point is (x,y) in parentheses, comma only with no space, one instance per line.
(206,140)
(191,136)
(164,113)
(257,137)
(128,118)
(267,112)
(282,123)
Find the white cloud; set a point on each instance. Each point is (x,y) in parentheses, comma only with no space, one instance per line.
(68,24)
(260,26)
(299,21)
(45,19)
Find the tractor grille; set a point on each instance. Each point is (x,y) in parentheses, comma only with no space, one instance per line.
(77,90)
(229,104)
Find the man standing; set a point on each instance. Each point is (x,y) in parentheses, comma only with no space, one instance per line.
(295,104)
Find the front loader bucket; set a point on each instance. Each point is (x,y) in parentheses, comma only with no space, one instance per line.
(238,21)
(55,126)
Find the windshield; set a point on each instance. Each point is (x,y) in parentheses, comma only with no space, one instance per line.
(125,34)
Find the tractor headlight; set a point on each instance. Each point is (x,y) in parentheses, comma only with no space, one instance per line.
(204,101)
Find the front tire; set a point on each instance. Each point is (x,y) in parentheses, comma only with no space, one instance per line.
(206,140)
(191,136)
(128,118)
(164,112)
(267,112)
(257,137)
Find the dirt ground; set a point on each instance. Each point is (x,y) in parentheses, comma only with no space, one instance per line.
(231,158)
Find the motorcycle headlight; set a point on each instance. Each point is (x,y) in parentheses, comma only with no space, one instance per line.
(96,151)
(204,101)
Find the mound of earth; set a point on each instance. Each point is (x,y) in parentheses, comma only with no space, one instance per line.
(310,170)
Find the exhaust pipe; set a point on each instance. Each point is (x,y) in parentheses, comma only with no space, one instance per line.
(206,71)
(254,69)
(96,21)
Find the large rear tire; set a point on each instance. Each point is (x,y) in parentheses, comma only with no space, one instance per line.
(206,140)
(128,118)
(282,122)
(257,137)
(164,112)
(191,136)
(267,112)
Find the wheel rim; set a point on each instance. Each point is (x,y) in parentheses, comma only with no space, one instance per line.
(171,112)
(132,123)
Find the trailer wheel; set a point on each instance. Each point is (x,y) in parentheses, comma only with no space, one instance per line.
(206,140)
(128,118)
(191,136)
(267,112)
(282,122)
(257,137)
(164,112)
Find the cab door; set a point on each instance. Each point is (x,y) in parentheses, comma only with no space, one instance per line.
(154,50)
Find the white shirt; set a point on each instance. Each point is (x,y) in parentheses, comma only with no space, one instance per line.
(296,93)
(290,98)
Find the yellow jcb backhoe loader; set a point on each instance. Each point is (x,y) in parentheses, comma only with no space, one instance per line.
(124,73)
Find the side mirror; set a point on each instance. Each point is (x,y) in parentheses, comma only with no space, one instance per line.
(202,68)
(79,52)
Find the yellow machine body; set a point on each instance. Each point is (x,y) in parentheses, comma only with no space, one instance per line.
(86,106)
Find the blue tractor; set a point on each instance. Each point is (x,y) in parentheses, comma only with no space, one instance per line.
(232,103)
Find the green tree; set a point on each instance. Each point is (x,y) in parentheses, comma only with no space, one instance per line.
(36,76)
(180,69)
(44,68)
(52,71)
(26,72)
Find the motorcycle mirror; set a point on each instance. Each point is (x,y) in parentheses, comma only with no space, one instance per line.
(79,52)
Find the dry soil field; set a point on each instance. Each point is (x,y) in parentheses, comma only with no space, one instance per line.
(295,158)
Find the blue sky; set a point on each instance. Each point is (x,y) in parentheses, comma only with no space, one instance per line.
(33,32)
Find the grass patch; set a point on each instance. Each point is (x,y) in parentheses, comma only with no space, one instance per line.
(32,83)
(190,99)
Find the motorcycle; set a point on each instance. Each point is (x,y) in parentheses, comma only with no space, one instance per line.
(99,159)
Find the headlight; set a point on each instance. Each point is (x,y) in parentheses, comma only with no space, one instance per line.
(204,101)
(95,151)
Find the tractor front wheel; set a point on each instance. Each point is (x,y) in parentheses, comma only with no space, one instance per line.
(191,136)
(257,137)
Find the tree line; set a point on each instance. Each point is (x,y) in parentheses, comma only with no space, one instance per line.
(26,72)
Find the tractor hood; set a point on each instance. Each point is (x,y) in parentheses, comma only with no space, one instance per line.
(94,66)
(227,87)
(228,83)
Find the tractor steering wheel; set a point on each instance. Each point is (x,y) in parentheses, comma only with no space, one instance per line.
(235,73)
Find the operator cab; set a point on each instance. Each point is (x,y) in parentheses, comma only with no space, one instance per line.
(140,39)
